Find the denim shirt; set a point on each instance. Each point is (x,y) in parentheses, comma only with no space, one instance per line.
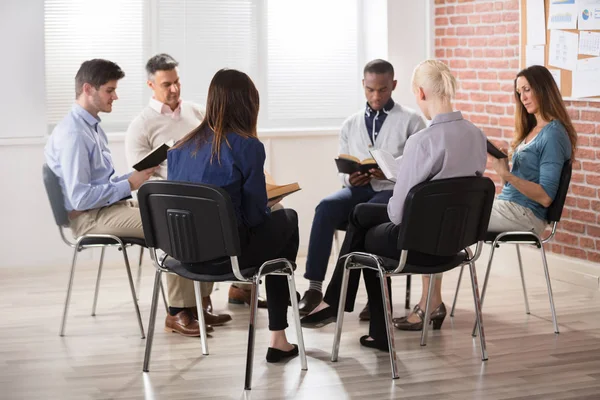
(539,161)
(240,172)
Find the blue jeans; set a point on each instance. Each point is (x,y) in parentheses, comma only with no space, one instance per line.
(331,213)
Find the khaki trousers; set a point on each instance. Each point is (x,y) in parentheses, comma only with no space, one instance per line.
(123,219)
(508,216)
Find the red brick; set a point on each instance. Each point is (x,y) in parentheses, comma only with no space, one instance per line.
(513,28)
(459,20)
(574,252)
(468,74)
(484,30)
(440,11)
(440,31)
(491,18)
(440,1)
(490,86)
(583,128)
(477,64)
(462,96)
(449,42)
(511,5)
(479,108)
(513,40)
(477,42)
(449,53)
(494,53)
(514,64)
(586,154)
(499,5)
(590,166)
(441,21)
(585,191)
(593,230)
(498,41)
(439,53)
(468,85)
(510,53)
(500,98)
(499,29)
(464,9)
(507,121)
(590,116)
(579,104)
(593,256)
(593,180)
(499,64)
(507,75)
(497,110)
(583,204)
(595,205)
(487,75)
(573,113)
(474,19)
(556,248)
(451,31)
(578,177)
(594,104)
(484,7)
(583,140)
(479,119)
(458,63)
(595,141)
(587,243)
(464,107)
(480,97)
(572,226)
(494,133)
(478,53)
(585,216)
(567,238)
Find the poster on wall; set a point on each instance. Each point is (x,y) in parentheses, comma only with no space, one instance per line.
(589,14)
(563,14)
(563,50)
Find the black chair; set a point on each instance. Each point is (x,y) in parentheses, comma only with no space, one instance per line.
(56,198)
(440,218)
(336,253)
(195,225)
(495,239)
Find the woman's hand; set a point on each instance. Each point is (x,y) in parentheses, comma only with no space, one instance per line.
(500,166)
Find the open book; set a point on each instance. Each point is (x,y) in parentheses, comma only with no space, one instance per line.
(348,164)
(276,191)
(494,151)
(387,163)
(155,157)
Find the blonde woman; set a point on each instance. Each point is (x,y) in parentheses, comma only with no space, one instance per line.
(450,147)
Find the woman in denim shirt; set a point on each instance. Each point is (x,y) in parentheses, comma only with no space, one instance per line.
(225,151)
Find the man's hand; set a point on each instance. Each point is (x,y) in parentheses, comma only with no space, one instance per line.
(377,173)
(358,179)
(138,177)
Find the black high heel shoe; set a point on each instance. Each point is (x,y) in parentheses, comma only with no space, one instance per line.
(275,355)
(436,319)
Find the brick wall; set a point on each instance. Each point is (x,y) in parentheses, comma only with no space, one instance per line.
(479,40)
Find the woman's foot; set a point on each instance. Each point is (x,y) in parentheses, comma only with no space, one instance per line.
(275,355)
(322,315)
(414,321)
(368,341)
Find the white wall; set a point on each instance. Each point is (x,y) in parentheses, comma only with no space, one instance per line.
(28,235)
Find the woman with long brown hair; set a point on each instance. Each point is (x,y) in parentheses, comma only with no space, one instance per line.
(225,151)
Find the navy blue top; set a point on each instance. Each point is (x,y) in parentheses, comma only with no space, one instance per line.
(240,172)
(539,161)
(375,119)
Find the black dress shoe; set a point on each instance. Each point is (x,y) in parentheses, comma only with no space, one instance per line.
(276,355)
(374,344)
(365,314)
(319,319)
(311,299)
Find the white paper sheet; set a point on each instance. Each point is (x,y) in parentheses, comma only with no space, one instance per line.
(586,83)
(589,43)
(589,64)
(563,49)
(589,14)
(563,14)
(536,22)
(556,75)
(534,55)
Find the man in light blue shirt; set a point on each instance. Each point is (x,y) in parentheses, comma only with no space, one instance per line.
(77,152)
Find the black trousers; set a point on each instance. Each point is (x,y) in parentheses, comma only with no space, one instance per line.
(277,237)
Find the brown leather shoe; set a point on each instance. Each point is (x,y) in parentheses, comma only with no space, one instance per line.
(242,296)
(210,318)
(365,314)
(184,324)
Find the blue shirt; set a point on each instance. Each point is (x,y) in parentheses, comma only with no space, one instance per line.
(539,161)
(240,172)
(77,152)
(375,119)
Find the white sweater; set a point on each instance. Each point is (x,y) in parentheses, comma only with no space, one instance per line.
(400,123)
(150,129)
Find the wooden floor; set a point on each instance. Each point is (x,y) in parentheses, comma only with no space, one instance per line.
(101,357)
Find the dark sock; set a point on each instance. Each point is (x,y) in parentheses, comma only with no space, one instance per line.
(316,285)
(173,311)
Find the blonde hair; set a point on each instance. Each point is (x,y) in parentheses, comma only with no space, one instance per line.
(435,78)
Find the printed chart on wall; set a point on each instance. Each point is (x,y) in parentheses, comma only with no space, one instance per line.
(564,36)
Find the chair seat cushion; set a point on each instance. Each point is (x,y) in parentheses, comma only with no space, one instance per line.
(491,236)
(215,271)
(88,241)
(417,263)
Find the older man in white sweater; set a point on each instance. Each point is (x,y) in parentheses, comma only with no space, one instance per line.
(168,118)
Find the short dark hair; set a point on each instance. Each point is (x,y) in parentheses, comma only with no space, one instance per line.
(379,66)
(160,62)
(96,72)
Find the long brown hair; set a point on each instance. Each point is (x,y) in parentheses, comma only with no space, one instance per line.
(549,101)
(231,107)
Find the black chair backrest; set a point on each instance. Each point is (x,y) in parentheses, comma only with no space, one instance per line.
(443,217)
(55,195)
(190,222)
(555,210)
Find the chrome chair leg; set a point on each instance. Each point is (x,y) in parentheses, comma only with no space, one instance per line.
(340,312)
(69,287)
(389,328)
(133,295)
(162,292)
(462,267)
(478,314)
(201,321)
(523,280)
(426,318)
(98,281)
(485,282)
(152,322)
(408,287)
(251,333)
(141,257)
(138,278)
(336,245)
(294,300)
(549,285)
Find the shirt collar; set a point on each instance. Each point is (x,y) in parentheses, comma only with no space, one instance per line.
(386,108)
(87,117)
(164,109)
(447,117)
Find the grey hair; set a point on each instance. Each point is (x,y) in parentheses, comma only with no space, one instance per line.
(160,62)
